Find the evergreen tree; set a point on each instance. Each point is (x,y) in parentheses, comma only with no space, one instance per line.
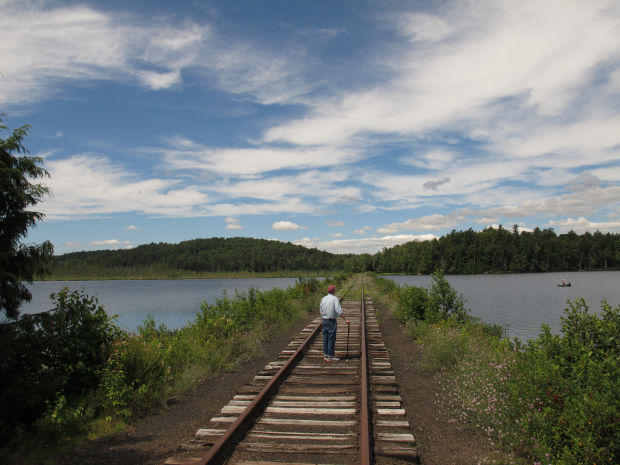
(18,261)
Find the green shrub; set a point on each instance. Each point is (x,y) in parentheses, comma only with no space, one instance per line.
(58,353)
(63,419)
(135,378)
(572,382)
(444,301)
(412,304)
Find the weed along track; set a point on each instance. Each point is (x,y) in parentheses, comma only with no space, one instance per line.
(302,410)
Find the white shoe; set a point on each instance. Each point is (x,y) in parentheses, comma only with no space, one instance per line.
(334,359)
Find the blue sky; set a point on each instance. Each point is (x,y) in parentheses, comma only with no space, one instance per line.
(349,126)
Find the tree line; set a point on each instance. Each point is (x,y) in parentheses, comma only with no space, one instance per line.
(499,250)
(493,250)
(196,257)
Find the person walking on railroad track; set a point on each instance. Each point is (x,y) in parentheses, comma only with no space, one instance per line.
(330,311)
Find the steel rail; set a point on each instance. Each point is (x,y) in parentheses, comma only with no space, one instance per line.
(365,433)
(222,448)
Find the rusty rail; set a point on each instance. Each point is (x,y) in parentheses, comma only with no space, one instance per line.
(365,433)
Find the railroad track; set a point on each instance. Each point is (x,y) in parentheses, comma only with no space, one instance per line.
(302,410)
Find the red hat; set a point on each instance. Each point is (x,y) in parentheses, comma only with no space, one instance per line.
(331,289)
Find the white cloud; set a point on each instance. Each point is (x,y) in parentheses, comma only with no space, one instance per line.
(335,224)
(131,227)
(112,244)
(362,245)
(581,225)
(87,185)
(500,72)
(45,48)
(184,154)
(42,47)
(233,223)
(425,223)
(583,202)
(336,235)
(286,226)
(362,231)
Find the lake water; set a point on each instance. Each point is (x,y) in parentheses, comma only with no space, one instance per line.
(171,302)
(523,302)
(520,302)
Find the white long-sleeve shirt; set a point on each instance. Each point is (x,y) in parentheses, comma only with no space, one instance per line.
(330,307)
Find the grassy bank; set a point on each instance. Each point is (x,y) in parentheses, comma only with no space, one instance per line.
(72,374)
(552,400)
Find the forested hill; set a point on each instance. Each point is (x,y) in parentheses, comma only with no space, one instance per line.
(499,250)
(494,250)
(195,258)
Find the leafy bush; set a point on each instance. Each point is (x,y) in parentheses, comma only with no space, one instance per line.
(51,356)
(439,303)
(412,304)
(444,301)
(572,382)
(135,378)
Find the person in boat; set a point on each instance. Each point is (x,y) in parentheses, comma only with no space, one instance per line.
(330,310)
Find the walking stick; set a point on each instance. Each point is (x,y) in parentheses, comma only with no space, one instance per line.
(348,331)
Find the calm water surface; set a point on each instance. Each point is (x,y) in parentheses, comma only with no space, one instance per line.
(523,302)
(520,302)
(172,302)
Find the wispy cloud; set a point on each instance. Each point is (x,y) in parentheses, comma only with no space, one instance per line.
(88,185)
(42,47)
(45,48)
(362,245)
(184,154)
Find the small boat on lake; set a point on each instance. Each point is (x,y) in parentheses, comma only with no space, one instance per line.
(564,283)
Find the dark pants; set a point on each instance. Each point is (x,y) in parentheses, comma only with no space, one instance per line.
(329,336)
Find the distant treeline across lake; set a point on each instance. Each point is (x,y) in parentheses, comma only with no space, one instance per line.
(493,250)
